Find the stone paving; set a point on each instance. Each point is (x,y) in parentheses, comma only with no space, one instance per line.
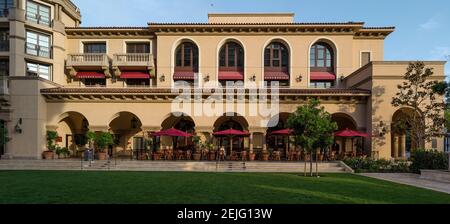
(412,180)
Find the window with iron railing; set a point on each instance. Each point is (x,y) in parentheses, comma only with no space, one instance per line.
(38,13)
(38,44)
(4,40)
(5,5)
(43,71)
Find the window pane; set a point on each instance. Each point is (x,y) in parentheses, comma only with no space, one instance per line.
(267,58)
(187,55)
(328,65)
(276,54)
(231,56)
(320,54)
(285,58)
(95,48)
(276,63)
(240,57)
(195,59)
(178,57)
(138,48)
(222,58)
(320,63)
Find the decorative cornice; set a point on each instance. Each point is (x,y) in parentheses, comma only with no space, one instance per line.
(160,95)
(108,32)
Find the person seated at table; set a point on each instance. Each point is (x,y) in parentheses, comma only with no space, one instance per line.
(222,153)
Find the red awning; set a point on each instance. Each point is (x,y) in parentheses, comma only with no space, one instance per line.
(184,76)
(224,76)
(269,76)
(90,75)
(322,76)
(134,75)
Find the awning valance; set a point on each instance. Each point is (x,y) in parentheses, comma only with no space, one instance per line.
(184,76)
(134,75)
(322,76)
(90,75)
(273,76)
(231,76)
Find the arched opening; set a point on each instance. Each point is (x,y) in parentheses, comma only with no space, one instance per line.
(182,122)
(276,64)
(231,63)
(128,135)
(346,146)
(402,135)
(322,65)
(236,122)
(275,142)
(72,128)
(186,62)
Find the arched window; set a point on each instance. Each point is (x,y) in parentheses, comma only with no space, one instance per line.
(276,64)
(186,57)
(322,64)
(276,57)
(322,58)
(231,57)
(231,64)
(186,63)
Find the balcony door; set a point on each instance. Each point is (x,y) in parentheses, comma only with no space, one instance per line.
(95,48)
(138,48)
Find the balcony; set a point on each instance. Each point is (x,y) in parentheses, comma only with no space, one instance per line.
(131,60)
(88,61)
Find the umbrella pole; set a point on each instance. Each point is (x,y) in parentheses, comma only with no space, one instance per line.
(231,145)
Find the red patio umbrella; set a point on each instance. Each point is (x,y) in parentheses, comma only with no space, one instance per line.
(172,132)
(350,133)
(231,133)
(283,132)
(347,133)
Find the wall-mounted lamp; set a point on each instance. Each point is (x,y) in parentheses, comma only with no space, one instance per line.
(382,129)
(342,78)
(162,78)
(17,128)
(253,78)
(206,79)
(85,124)
(134,123)
(299,78)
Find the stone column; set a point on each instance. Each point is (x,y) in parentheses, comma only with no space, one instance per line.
(251,142)
(396,144)
(402,146)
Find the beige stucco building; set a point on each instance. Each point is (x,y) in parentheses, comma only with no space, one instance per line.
(58,75)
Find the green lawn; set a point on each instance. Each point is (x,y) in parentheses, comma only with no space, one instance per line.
(179,188)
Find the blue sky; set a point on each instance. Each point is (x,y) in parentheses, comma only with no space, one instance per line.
(422,27)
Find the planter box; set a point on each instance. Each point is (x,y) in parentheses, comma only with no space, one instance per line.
(435,175)
(48,155)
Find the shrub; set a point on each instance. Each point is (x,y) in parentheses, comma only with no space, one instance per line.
(370,165)
(428,160)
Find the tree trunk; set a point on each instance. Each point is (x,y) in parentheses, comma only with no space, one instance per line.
(317,164)
(304,160)
(311,164)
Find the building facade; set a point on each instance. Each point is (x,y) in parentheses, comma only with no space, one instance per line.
(58,75)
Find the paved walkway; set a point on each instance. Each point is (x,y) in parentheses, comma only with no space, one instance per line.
(411,179)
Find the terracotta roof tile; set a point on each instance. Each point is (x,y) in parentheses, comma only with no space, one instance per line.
(169,91)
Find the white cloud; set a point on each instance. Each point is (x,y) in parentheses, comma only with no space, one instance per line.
(432,23)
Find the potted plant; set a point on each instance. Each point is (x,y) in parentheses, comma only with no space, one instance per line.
(197,142)
(156,154)
(147,149)
(51,145)
(101,141)
(265,155)
(251,155)
(62,152)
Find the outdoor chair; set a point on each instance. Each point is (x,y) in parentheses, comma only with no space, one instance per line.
(188,155)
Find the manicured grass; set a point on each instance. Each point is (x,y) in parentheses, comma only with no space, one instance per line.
(180,188)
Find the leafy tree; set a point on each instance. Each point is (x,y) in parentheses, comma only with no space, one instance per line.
(424,98)
(313,128)
(103,140)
